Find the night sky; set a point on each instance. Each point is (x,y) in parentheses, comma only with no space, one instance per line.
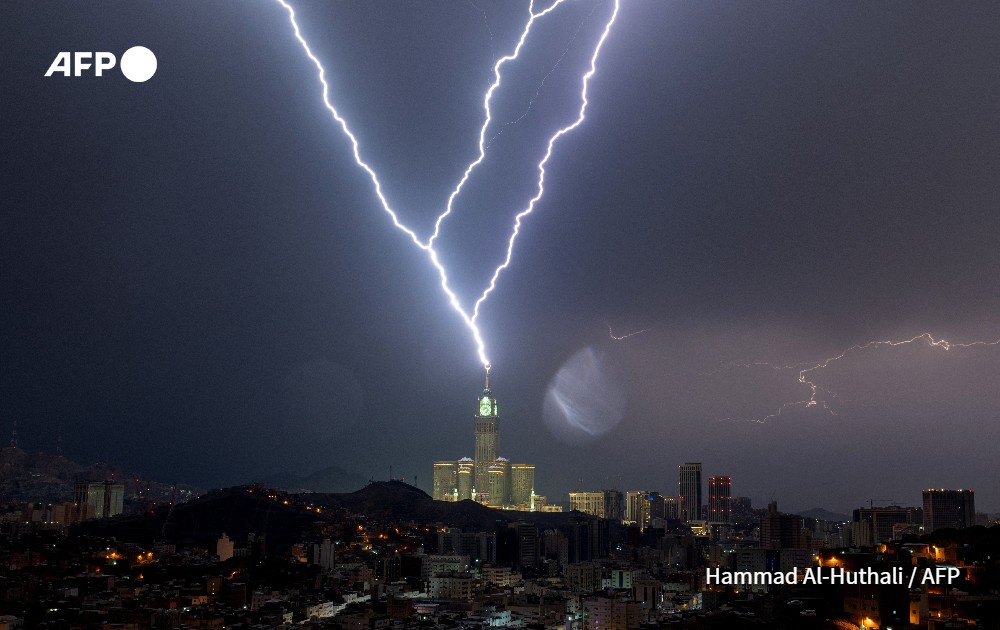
(197,282)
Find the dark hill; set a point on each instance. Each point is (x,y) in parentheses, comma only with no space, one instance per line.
(329,479)
(200,522)
(399,501)
(821,514)
(240,511)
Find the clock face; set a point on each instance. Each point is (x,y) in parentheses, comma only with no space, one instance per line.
(485,408)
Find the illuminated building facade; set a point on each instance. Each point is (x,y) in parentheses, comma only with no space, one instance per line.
(608,504)
(587,502)
(637,507)
(105,497)
(522,482)
(445,480)
(465,474)
(498,483)
(487,477)
(689,487)
(720,499)
(487,436)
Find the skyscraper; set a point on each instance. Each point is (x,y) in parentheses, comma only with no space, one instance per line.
(486,478)
(689,487)
(106,497)
(673,507)
(949,508)
(637,508)
(498,479)
(614,505)
(587,502)
(781,531)
(877,523)
(445,480)
(465,477)
(720,499)
(487,437)
(522,482)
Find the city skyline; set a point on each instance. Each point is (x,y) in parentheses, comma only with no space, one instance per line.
(201,285)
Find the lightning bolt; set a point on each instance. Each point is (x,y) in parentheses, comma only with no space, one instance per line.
(581,116)
(532,16)
(486,21)
(805,374)
(538,91)
(615,337)
(355,146)
(469,319)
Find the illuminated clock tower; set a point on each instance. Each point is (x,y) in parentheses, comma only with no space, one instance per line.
(487,436)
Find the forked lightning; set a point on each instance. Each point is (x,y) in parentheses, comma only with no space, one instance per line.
(469,318)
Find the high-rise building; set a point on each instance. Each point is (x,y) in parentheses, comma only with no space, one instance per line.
(498,483)
(487,478)
(742,509)
(656,505)
(465,473)
(527,539)
(875,524)
(673,507)
(445,480)
(324,554)
(614,505)
(637,507)
(781,531)
(105,497)
(487,436)
(949,508)
(91,493)
(522,482)
(720,499)
(608,504)
(587,502)
(689,487)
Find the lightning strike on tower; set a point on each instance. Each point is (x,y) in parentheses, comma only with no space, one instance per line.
(428,246)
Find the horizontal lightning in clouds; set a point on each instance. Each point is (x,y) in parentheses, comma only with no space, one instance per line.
(428,245)
(806,375)
(615,337)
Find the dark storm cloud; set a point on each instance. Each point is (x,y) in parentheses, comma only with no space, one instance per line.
(196,261)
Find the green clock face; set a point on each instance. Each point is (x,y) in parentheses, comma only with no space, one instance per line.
(485,408)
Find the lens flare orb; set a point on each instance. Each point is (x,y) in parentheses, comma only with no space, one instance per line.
(586,397)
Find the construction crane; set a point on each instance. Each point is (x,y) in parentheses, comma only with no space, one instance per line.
(871,502)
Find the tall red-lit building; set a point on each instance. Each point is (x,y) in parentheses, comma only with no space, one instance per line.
(720,499)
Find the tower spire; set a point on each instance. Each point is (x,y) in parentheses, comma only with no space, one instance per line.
(487,388)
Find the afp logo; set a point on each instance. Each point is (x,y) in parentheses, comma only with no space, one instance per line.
(138,64)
